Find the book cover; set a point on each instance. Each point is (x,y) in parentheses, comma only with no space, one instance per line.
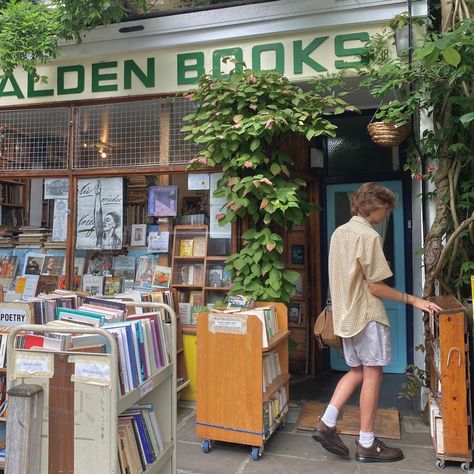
(47,284)
(186,248)
(145,270)
(112,285)
(124,266)
(162,201)
(99,263)
(158,241)
(93,284)
(8,266)
(161,277)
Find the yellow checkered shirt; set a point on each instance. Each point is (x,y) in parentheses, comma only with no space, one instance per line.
(356,258)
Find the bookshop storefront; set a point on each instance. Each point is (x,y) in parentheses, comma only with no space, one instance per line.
(95,166)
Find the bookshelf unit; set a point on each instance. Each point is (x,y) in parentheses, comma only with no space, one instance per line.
(198,277)
(12,202)
(231,402)
(86,428)
(450,400)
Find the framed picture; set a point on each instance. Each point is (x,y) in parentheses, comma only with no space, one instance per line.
(162,201)
(33,264)
(296,313)
(297,254)
(138,235)
(53,265)
(215,276)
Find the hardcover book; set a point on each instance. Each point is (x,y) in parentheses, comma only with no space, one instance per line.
(186,248)
(161,277)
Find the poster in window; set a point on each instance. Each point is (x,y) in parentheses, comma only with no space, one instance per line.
(60,220)
(162,201)
(100,213)
(56,188)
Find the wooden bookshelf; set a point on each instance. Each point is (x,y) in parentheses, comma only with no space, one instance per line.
(12,202)
(230,392)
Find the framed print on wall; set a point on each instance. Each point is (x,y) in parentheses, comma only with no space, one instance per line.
(138,235)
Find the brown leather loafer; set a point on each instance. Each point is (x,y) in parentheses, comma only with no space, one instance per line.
(330,439)
(378,452)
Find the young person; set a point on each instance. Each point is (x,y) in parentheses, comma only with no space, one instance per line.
(357,268)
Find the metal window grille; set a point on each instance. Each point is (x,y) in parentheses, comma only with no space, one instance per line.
(138,133)
(32,139)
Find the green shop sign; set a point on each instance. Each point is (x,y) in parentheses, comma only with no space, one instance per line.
(169,71)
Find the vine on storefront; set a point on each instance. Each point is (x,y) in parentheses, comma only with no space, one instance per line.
(241,123)
(437,84)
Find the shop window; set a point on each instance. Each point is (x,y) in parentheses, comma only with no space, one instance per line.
(138,133)
(352,153)
(34,139)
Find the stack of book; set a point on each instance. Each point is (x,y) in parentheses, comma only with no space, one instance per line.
(49,244)
(32,237)
(8,237)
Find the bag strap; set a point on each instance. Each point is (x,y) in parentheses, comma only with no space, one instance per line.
(328,297)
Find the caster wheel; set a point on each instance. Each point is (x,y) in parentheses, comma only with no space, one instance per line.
(465,466)
(206,445)
(257,452)
(440,464)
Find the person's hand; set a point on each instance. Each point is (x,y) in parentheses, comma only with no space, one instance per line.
(424,305)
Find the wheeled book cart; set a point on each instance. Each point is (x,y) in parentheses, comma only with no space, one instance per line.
(231,402)
(450,383)
(82,400)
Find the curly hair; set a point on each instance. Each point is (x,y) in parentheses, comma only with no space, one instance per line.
(371,196)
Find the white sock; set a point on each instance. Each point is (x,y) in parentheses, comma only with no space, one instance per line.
(330,416)
(366,439)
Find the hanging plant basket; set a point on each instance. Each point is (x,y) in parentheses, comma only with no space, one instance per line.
(387,134)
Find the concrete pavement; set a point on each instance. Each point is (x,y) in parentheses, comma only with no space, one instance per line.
(294,451)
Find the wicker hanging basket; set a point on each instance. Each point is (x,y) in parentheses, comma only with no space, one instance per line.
(387,134)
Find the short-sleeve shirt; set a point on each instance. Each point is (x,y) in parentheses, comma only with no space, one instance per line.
(356,259)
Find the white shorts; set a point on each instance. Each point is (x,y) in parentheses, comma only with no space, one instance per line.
(370,347)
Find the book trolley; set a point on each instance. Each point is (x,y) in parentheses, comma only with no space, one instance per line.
(85,439)
(450,384)
(233,401)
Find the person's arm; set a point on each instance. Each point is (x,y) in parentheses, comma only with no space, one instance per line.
(382,290)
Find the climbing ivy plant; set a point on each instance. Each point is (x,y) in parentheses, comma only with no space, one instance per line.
(241,123)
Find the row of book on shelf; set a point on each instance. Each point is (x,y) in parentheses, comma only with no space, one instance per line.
(139,438)
(143,339)
(274,410)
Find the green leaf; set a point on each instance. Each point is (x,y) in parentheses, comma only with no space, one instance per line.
(425,51)
(451,56)
(255,144)
(466,119)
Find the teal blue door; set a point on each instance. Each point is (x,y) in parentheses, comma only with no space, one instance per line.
(338,212)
